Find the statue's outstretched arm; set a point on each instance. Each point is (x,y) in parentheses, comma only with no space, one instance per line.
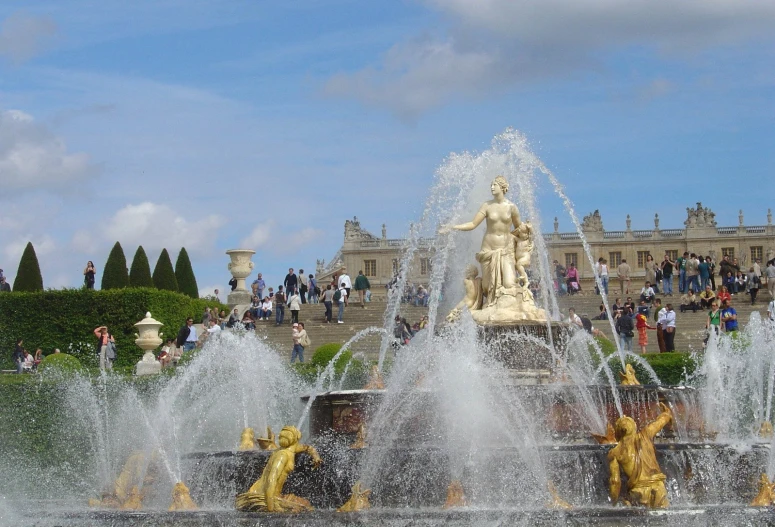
(471,225)
(659,423)
(310,450)
(515,216)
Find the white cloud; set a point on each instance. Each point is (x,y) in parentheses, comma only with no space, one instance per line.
(259,236)
(496,44)
(32,156)
(23,36)
(44,245)
(156,226)
(293,242)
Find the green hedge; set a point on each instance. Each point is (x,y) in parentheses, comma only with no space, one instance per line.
(60,362)
(671,368)
(66,319)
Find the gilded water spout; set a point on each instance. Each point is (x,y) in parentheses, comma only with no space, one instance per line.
(247,440)
(766,494)
(628,376)
(181,498)
(455,495)
(360,438)
(359,499)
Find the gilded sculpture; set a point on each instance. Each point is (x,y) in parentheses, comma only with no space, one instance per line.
(455,495)
(181,498)
(557,502)
(266,493)
(125,494)
(609,438)
(766,495)
(375,381)
(628,376)
(765,430)
(247,440)
(360,438)
(634,454)
(268,442)
(505,251)
(359,499)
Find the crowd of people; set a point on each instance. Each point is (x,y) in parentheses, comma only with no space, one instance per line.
(695,273)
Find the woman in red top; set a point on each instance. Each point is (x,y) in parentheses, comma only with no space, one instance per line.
(723,294)
(641,323)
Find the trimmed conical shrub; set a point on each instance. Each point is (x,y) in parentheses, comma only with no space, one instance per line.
(184,274)
(28,277)
(164,274)
(140,272)
(115,275)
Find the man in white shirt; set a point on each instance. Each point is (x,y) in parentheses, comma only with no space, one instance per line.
(345,278)
(573,318)
(647,293)
(602,271)
(771,310)
(214,328)
(666,320)
(769,272)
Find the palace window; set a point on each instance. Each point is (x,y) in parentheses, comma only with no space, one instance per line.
(642,257)
(395,266)
(757,253)
(370,267)
(614,259)
(728,251)
(425,266)
(571,258)
(672,255)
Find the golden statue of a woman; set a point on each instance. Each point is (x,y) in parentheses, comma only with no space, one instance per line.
(266,493)
(507,242)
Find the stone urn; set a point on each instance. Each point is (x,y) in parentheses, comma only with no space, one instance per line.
(240,268)
(148,339)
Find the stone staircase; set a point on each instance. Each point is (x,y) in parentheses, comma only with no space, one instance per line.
(689,334)
(690,326)
(355,320)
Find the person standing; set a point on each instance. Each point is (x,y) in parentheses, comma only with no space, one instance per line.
(602,271)
(328,301)
(753,284)
(341,301)
(303,288)
(651,269)
(625,329)
(711,272)
(642,324)
(667,276)
(704,269)
(728,316)
(279,305)
(300,341)
(258,286)
(291,281)
(680,264)
(187,336)
(314,292)
(5,287)
(362,285)
(693,273)
(658,315)
(88,275)
(206,317)
(623,272)
(345,279)
(769,272)
(294,303)
(668,323)
(18,356)
(713,324)
(771,311)
(106,347)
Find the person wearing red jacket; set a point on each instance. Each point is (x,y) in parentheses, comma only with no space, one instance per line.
(642,324)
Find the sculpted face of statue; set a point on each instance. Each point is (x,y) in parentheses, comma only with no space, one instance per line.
(289,436)
(499,186)
(625,426)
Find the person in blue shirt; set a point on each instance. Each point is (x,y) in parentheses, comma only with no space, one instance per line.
(729,317)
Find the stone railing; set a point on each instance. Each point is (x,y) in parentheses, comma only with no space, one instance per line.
(672,233)
(613,235)
(642,234)
(758,229)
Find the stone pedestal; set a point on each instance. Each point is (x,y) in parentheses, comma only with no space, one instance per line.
(148,339)
(240,268)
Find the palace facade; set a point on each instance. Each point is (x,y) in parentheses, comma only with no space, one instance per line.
(379,257)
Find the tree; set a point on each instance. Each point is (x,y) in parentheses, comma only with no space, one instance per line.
(28,277)
(184,274)
(164,274)
(115,275)
(140,272)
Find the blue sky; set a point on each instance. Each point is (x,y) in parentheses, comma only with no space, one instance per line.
(213,125)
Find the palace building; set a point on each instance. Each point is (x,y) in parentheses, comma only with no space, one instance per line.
(380,257)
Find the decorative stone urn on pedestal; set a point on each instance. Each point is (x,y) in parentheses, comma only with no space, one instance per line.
(240,268)
(148,339)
